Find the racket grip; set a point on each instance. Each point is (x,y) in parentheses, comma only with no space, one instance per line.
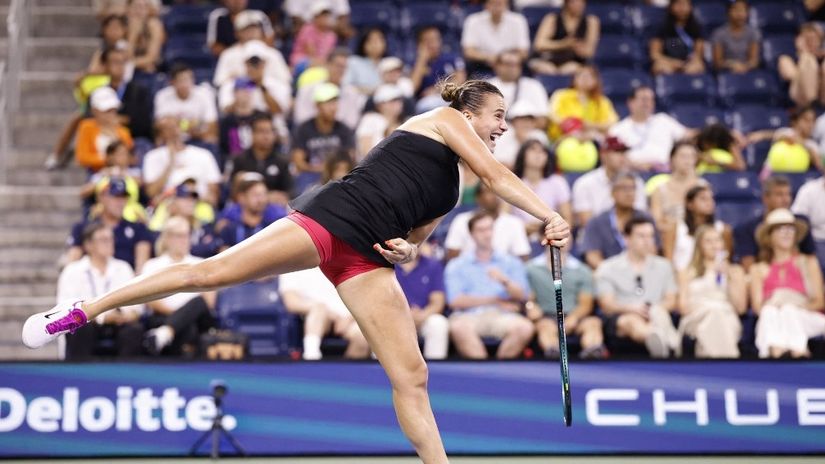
(555,263)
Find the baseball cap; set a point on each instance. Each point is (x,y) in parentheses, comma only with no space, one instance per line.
(325,92)
(244,83)
(389,63)
(186,190)
(320,6)
(387,92)
(614,143)
(522,109)
(570,125)
(248,18)
(104,99)
(255,49)
(116,187)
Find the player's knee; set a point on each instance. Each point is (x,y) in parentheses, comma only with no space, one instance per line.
(411,377)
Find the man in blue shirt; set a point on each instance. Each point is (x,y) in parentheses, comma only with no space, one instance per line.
(486,291)
(422,281)
(255,211)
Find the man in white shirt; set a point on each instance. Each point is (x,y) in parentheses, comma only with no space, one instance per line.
(509,235)
(524,120)
(515,87)
(220,29)
(231,64)
(169,165)
(649,135)
(808,203)
(92,276)
(351,101)
(487,33)
(193,105)
(300,11)
(592,191)
(311,295)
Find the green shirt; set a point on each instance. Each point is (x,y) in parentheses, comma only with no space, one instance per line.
(576,278)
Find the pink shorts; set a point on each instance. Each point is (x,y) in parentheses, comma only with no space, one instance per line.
(339,261)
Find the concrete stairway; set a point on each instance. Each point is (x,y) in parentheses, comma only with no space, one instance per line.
(37,208)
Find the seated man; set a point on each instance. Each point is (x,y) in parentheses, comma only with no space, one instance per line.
(486,290)
(422,280)
(577,301)
(807,204)
(309,294)
(636,292)
(255,211)
(509,234)
(92,276)
(602,236)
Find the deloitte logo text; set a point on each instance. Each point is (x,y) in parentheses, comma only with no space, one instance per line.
(140,410)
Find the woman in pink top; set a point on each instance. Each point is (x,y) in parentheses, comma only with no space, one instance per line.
(786,289)
(315,40)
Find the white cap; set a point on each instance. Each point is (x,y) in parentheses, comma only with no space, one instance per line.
(319,6)
(389,63)
(387,92)
(255,48)
(523,109)
(248,18)
(104,99)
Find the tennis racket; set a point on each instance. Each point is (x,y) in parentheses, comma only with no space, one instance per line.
(555,265)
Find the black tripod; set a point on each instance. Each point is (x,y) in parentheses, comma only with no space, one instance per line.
(218,391)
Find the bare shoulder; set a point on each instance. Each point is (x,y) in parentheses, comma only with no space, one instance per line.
(736,270)
(759,270)
(434,123)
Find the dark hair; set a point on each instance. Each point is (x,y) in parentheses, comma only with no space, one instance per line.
(509,51)
(337,52)
(622,175)
(341,156)
(715,135)
(635,91)
(597,89)
(680,144)
(177,68)
(468,96)
(423,29)
(260,116)
(112,147)
(110,19)
(773,181)
(477,216)
(104,56)
(362,41)
(636,220)
(90,230)
(799,111)
(692,26)
(732,3)
(549,166)
(690,219)
(245,182)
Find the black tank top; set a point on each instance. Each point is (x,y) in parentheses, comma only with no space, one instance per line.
(406,180)
(559,57)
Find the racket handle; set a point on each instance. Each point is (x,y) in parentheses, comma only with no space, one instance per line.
(555,263)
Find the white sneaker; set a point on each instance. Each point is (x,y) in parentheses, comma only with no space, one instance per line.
(44,327)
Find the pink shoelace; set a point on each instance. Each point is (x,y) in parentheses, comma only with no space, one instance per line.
(71,322)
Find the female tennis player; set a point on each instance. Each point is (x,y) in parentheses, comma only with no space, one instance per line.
(355,230)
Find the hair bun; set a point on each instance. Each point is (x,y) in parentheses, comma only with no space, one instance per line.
(450,91)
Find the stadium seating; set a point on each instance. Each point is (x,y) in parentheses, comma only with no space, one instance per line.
(735,213)
(777,17)
(684,88)
(710,16)
(647,20)
(383,15)
(749,118)
(623,52)
(612,16)
(775,46)
(755,155)
(618,84)
(734,186)
(553,83)
(187,19)
(534,15)
(754,87)
(697,116)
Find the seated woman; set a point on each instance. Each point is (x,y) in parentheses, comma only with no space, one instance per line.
(719,150)
(95,134)
(793,149)
(786,289)
(667,203)
(113,30)
(678,47)
(362,67)
(119,163)
(565,40)
(712,296)
(736,44)
(584,100)
(536,166)
(146,35)
(678,243)
(376,125)
(179,319)
(804,73)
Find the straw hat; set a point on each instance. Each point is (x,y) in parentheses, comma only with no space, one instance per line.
(778,217)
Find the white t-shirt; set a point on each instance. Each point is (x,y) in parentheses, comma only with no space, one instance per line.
(508,145)
(809,202)
(509,235)
(199,106)
(650,141)
(79,280)
(313,285)
(350,106)
(192,162)
(178,299)
(232,64)
(480,32)
(217,13)
(300,8)
(530,93)
(374,126)
(592,192)
(280,92)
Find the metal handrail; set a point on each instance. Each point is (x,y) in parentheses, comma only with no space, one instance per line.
(5,130)
(17,25)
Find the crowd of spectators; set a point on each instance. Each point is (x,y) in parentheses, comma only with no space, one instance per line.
(189,153)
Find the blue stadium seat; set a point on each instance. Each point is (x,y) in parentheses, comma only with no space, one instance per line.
(755,155)
(754,87)
(534,15)
(749,118)
(684,88)
(203,75)
(430,14)
(620,106)
(799,179)
(734,186)
(187,19)
(383,15)
(697,116)
(619,83)
(775,46)
(778,17)
(553,83)
(648,19)
(710,16)
(305,180)
(737,212)
(624,52)
(194,57)
(612,16)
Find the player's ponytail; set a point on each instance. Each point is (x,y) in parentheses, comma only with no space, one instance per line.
(467,96)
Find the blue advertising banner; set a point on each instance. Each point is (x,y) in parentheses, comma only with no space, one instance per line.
(137,409)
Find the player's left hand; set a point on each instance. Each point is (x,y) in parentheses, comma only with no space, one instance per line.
(398,251)
(556,231)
